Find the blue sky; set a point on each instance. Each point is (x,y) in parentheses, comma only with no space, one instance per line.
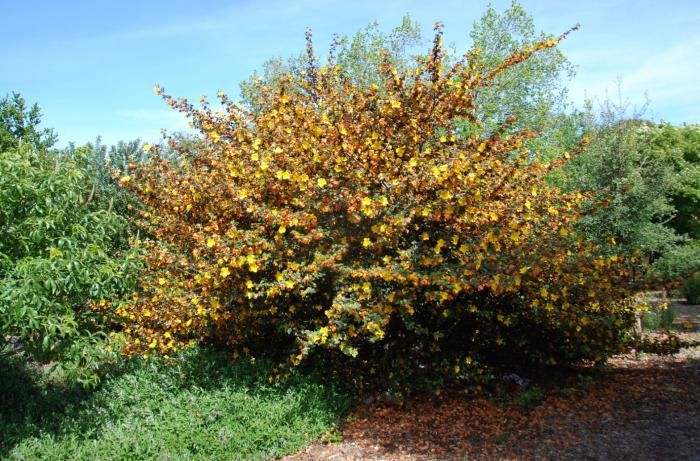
(91,65)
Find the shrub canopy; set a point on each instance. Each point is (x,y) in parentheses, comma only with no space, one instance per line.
(358,222)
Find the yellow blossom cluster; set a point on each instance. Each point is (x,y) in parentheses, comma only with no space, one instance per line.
(355,219)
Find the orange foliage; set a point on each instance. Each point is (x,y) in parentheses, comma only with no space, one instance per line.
(348,219)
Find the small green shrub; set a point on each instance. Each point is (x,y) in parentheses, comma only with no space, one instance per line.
(691,289)
(583,383)
(658,320)
(529,398)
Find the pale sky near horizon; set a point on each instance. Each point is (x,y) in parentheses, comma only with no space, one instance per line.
(91,65)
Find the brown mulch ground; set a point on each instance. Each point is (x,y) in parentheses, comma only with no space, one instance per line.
(636,409)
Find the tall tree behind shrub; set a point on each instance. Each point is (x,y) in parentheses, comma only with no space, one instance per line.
(639,168)
(20,124)
(533,92)
(102,164)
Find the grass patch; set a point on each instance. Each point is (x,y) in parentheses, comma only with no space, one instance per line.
(204,407)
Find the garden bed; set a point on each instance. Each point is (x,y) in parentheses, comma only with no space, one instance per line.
(639,407)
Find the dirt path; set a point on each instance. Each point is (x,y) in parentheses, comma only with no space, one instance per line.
(638,409)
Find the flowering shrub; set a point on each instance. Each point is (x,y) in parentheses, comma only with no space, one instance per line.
(354,220)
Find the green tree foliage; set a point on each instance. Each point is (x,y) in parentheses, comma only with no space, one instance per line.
(358,56)
(691,289)
(61,252)
(533,92)
(639,184)
(682,146)
(19,124)
(639,167)
(101,164)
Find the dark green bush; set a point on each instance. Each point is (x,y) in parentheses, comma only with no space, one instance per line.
(61,254)
(691,289)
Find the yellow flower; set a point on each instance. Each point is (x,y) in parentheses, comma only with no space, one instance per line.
(161,281)
(283,175)
(225,272)
(395,104)
(211,242)
(282,230)
(321,182)
(366,242)
(147,147)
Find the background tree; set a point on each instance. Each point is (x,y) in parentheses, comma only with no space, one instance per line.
(63,252)
(683,145)
(101,164)
(20,124)
(358,57)
(534,92)
(638,167)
